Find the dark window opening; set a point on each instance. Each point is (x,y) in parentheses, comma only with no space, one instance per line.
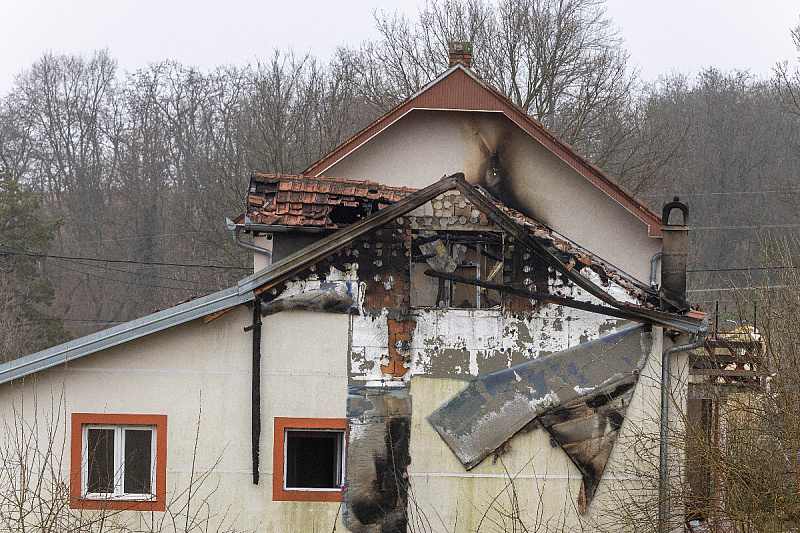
(313,459)
(137,467)
(119,461)
(100,443)
(473,255)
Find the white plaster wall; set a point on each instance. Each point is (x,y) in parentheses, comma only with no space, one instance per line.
(199,374)
(265,241)
(425,145)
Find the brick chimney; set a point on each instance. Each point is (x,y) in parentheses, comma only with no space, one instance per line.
(674,247)
(460,52)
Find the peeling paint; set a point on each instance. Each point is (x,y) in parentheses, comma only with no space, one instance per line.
(369,347)
(470,343)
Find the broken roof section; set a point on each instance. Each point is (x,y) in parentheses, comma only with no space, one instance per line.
(291,265)
(588,279)
(332,203)
(320,202)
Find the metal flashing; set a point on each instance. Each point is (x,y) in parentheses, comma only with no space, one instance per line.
(580,396)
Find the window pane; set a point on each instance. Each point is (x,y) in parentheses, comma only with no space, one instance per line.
(100,458)
(313,459)
(137,466)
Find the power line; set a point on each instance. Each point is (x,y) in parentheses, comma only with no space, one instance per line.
(121,280)
(742,269)
(216,285)
(119,239)
(125,261)
(87,320)
(721,193)
(742,288)
(760,226)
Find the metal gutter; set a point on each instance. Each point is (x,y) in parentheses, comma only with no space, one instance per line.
(235,229)
(122,333)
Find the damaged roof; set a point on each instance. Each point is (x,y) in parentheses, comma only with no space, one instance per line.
(248,287)
(610,304)
(316,201)
(575,256)
(333,203)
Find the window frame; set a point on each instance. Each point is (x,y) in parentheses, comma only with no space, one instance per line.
(281,428)
(81,499)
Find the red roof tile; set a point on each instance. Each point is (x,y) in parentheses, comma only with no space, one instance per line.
(306,201)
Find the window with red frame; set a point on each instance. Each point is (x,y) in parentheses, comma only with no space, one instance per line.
(118,461)
(309,459)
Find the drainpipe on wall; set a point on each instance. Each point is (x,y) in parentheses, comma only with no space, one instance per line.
(674,247)
(236,228)
(666,358)
(255,412)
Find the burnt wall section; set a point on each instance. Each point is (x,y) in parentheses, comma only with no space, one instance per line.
(463,343)
(586,430)
(492,409)
(375,495)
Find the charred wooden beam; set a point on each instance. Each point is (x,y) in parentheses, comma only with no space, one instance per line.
(646,316)
(255,412)
(497,216)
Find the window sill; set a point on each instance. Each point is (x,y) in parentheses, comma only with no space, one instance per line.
(118,504)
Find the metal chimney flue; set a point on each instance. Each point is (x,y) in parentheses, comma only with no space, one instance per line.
(674,249)
(460,52)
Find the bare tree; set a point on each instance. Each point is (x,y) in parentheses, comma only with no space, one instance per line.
(560,60)
(786,81)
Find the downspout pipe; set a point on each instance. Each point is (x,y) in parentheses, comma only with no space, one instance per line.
(674,247)
(255,389)
(235,229)
(666,358)
(654,269)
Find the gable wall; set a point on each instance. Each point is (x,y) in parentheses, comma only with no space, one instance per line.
(426,145)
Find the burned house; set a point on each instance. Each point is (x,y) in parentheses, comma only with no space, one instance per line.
(462,313)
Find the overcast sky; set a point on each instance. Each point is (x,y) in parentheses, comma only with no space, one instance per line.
(661,35)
